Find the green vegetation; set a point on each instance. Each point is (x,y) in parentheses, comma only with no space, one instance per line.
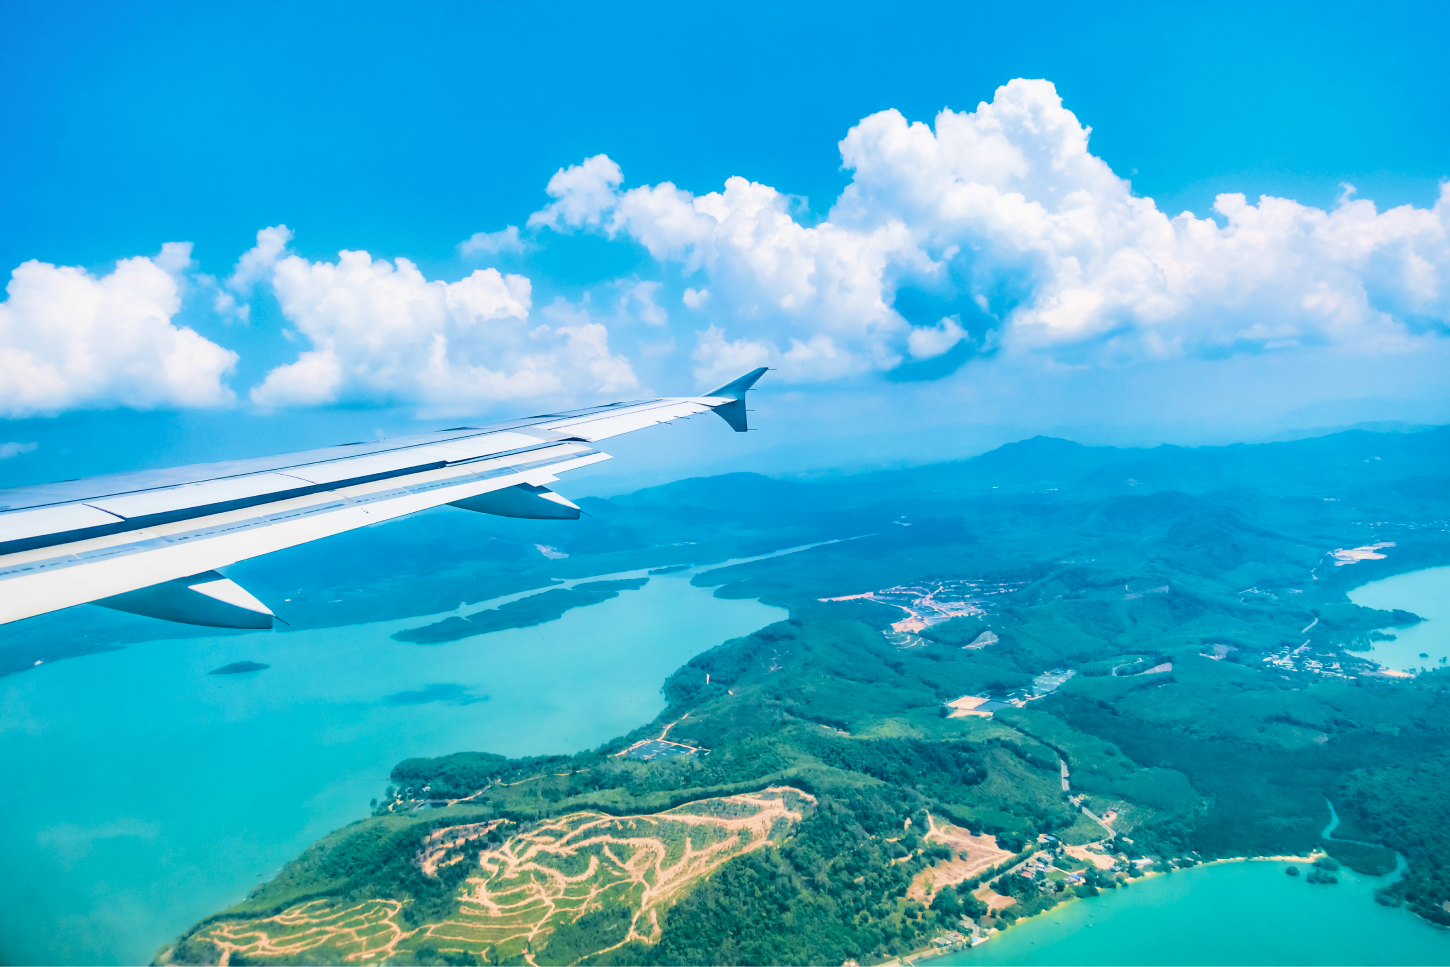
(1404,806)
(1115,564)
(835,882)
(522,613)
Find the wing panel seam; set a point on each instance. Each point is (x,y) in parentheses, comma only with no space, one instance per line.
(217,530)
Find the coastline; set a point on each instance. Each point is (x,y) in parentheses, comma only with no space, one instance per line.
(928,955)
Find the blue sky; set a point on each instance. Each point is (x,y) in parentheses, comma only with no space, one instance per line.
(402,133)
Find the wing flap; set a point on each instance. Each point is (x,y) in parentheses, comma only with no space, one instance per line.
(412,458)
(600,426)
(25,525)
(212,493)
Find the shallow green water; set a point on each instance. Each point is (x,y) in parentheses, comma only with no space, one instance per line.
(1226,913)
(143,793)
(1427,594)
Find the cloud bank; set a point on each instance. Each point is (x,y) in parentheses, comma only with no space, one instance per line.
(989,233)
(381,332)
(1000,230)
(71,340)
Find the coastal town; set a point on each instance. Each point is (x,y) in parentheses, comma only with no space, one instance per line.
(926,605)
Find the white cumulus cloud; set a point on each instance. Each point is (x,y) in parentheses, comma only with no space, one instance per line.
(813,300)
(641,297)
(257,263)
(381,332)
(492,243)
(1013,235)
(581,194)
(72,340)
(928,342)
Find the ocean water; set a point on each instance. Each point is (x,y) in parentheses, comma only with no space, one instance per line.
(1224,913)
(1427,594)
(142,794)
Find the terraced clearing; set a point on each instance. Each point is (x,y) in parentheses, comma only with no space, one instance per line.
(604,877)
(973,855)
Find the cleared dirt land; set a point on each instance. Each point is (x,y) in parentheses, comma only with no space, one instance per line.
(530,885)
(971,855)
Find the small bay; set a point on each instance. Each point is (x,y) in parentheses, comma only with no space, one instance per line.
(1427,594)
(145,793)
(1221,913)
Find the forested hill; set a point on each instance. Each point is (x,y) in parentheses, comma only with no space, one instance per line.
(1334,465)
(1222,690)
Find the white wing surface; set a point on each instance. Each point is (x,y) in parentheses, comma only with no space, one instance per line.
(152,542)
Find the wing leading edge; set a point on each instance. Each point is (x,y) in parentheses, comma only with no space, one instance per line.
(152,543)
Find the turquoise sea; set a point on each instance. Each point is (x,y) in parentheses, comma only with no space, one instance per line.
(1224,913)
(142,793)
(1427,594)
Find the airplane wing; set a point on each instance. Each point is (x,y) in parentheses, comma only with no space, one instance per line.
(152,542)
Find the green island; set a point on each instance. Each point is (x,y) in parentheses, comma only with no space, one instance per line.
(1010,681)
(522,613)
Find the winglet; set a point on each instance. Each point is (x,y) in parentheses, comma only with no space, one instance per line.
(735,389)
(733,412)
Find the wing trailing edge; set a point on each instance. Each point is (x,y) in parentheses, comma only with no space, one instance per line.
(153,543)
